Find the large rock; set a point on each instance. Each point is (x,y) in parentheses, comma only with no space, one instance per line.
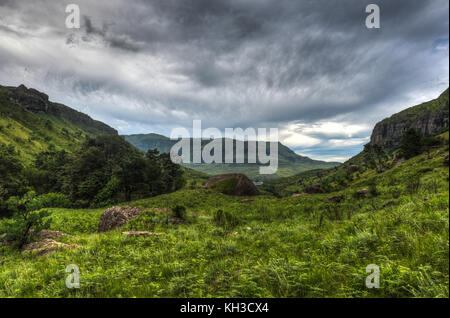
(116,217)
(233,184)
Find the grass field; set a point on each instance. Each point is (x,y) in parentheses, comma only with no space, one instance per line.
(269,247)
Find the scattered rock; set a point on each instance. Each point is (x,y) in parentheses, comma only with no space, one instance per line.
(399,161)
(336,198)
(141,233)
(362,193)
(49,234)
(298,195)
(353,168)
(47,246)
(3,241)
(116,217)
(240,184)
(314,189)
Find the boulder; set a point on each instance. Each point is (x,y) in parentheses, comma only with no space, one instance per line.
(47,246)
(298,195)
(49,234)
(336,198)
(314,189)
(362,193)
(232,184)
(116,217)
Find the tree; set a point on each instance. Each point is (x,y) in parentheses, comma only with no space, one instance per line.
(12,180)
(411,143)
(28,215)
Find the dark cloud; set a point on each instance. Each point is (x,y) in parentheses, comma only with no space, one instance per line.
(232,63)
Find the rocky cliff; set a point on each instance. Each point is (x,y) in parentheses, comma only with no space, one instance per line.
(430,118)
(38,103)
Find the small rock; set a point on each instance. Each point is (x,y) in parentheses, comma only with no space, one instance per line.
(49,234)
(336,198)
(47,246)
(141,233)
(362,193)
(314,189)
(298,195)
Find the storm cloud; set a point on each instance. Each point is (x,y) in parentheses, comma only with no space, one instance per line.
(309,67)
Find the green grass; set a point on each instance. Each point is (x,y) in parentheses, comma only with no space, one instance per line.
(271,247)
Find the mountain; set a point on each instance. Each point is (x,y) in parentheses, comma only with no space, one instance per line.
(289,163)
(31,123)
(430,118)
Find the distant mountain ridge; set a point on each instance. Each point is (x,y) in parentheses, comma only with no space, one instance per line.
(289,162)
(430,118)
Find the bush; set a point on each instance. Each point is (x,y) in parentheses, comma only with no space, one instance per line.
(413,184)
(54,200)
(225,219)
(180,212)
(373,188)
(28,214)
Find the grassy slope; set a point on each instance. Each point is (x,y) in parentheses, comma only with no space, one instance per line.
(288,247)
(31,133)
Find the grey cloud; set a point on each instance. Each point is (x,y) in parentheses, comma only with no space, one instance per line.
(241,62)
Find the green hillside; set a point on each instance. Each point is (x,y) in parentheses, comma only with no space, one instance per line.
(32,124)
(430,118)
(264,247)
(289,163)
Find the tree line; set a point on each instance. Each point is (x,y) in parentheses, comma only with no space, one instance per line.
(105,170)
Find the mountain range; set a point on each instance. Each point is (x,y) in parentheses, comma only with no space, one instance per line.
(289,163)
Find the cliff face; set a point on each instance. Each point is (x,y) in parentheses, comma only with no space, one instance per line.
(430,118)
(38,103)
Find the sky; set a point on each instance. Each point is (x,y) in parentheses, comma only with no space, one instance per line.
(310,68)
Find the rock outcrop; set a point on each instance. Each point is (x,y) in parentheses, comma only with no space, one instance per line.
(116,217)
(232,184)
(429,118)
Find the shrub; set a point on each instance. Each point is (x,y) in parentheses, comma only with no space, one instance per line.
(28,214)
(413,184)
(54,200)
(225,219)
(180,212)
(373,188)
